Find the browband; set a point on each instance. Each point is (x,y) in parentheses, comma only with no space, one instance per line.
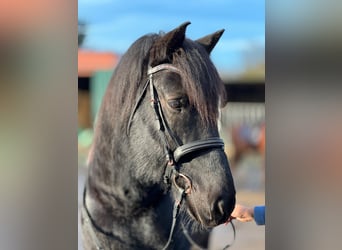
(161,67)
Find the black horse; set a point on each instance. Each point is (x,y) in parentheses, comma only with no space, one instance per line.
(158,175)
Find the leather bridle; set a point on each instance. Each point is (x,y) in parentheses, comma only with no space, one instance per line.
(173,157)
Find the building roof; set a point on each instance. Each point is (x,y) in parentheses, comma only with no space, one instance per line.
(91,61)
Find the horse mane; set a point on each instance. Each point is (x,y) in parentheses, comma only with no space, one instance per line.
(201,80)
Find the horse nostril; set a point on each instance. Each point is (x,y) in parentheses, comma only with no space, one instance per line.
(219,211)
(220,206)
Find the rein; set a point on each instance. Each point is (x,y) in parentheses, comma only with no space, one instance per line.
(171,173)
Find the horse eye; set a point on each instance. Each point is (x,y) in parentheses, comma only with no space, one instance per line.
(178,103)
(175,103)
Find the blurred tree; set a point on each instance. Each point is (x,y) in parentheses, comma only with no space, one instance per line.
(254,60)
(254,72)
(81,33)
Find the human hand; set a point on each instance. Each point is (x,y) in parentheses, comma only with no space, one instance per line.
(242,213)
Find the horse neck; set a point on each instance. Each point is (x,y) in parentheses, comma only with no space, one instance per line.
(149,230)
(125,179)
(142,225)
(113,193)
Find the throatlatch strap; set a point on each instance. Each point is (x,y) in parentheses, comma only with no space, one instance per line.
(188,148)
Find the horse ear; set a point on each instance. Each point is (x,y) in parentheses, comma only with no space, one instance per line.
(209,41)
(167,44)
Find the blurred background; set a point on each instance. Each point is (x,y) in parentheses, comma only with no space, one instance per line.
(38,110)
(106,29)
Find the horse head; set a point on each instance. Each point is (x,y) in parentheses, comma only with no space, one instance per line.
(189,92)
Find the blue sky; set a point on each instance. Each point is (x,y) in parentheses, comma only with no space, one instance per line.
(113,25)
